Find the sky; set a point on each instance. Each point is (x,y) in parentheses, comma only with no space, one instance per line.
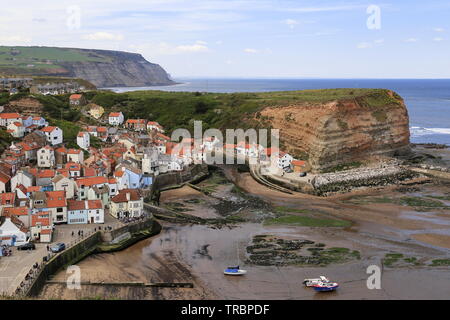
(249,39)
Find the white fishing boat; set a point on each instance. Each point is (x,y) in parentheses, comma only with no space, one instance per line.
(235,271)
(313,282)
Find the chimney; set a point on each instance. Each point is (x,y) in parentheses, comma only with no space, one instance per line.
(128,196)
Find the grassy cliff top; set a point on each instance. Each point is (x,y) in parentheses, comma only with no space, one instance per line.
(217,110)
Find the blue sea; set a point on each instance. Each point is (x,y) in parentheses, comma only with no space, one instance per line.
(428,101)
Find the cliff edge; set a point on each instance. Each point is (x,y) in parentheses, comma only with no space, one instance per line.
(371,124)
(103,68)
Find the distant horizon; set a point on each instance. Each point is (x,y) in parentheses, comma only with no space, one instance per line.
(294,78)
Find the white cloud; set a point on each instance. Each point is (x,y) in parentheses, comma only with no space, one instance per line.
(250,50)
(290,22)
(164,48)
(197,47)
(438,39)
(14,39)
(323,9)
(439,29)
(411,40)
(364,45)
(201,42)
(103,36)
(379,41)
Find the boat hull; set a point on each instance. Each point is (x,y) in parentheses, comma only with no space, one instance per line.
(235,273)
(325,289)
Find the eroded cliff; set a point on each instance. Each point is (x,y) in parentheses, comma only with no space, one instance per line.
(342,131)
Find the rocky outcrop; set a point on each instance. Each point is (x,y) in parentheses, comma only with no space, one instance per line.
(344,131)
(347,181)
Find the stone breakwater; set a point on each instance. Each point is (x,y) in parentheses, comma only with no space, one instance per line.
(346,181)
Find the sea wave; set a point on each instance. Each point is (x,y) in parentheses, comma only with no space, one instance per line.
(420,131)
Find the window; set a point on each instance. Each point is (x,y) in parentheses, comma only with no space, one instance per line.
(59,210)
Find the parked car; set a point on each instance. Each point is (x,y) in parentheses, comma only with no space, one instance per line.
(302,174)
(58,247)
(27,246)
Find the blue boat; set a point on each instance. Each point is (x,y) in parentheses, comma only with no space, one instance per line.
(234,271)
(326,286)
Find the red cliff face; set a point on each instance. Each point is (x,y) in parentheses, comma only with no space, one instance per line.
(342,131)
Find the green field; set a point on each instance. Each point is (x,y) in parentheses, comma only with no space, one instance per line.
(31,58)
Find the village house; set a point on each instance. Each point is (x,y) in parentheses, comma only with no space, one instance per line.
(56,204)
(153,125)
(149,163)
(63,183)
(46,157)
(54,135)
(44,178)
(128,177)
(39,121)
(41,227)
(7,118)
(5,183)
(75,155)
(84,184)
(127,203)
(85,211)
(13,232)
(22,177)
(27,121)
(116,118)
(7,199)
(77,100)
(83,140)
(136,124)
(22,213)
(74,169)
(96,111)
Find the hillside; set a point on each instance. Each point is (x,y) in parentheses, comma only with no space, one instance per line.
(330,128)
(102,68)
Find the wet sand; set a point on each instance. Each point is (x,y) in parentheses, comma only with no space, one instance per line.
(198,254)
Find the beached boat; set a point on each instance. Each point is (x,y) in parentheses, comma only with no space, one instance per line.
(326,286)
(313,282)
(234,271)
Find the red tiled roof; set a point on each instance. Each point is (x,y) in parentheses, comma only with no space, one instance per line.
(9,116)
(4,178)
(74,151)
(17,211)
(91,181)
(73,205)
(7,198)
(37,219)
(299,163)
(122,196)
(75,96)
(115,114)
(56,199)
(48,129)
(73,166)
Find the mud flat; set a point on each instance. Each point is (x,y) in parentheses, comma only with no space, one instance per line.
(402,229)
